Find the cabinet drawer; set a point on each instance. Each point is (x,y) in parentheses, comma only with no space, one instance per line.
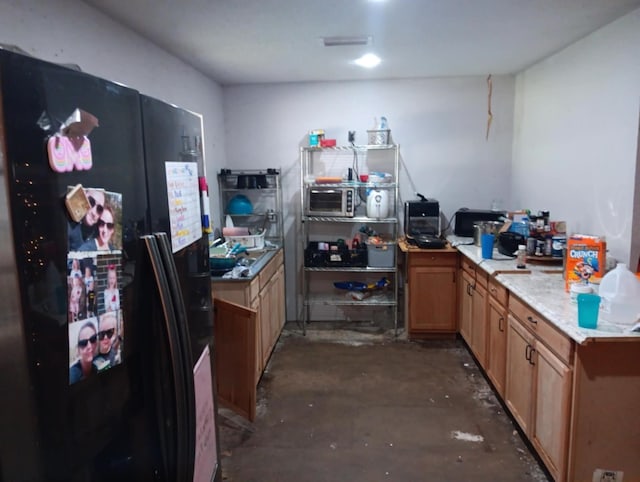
(468,265)
(482,278)
(270,269)
(557,342)
(499,292)
(479,276)
(432,259)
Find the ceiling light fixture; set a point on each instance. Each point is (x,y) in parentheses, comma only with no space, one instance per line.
(346,41)
(368,61)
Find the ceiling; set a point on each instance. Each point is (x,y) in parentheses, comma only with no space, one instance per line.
(258,41)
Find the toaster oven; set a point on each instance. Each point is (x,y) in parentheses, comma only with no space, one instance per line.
(330,201)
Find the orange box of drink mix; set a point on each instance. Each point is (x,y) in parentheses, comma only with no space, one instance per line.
(586,260)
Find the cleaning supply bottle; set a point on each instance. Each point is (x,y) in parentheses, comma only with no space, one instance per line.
(620,293)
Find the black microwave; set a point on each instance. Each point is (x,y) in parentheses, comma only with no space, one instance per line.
(330,201)
(466,218)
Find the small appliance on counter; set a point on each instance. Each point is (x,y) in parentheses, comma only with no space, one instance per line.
(422,223)
(378,203)
(508,243)
(466,218)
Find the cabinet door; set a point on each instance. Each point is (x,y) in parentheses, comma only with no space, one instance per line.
(497,332)
(259,366)
(266,318)
(278,304)
(432,299)
(466,305)
(552,410)
(520,371)
(235,357)
(479,324)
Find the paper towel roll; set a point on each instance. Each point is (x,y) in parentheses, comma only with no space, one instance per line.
(235,231)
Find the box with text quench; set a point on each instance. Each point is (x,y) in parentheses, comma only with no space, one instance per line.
(586,260)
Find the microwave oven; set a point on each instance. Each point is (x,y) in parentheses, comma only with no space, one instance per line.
(330,201)
(466,218)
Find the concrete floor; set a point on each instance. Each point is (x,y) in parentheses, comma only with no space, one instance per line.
(357,405)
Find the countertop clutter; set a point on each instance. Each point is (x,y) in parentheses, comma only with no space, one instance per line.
(542,287)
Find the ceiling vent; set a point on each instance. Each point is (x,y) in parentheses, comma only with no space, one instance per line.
(346,41)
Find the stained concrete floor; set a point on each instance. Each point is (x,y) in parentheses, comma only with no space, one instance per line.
(353,404)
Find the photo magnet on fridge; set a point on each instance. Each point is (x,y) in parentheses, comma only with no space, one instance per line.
(77,203)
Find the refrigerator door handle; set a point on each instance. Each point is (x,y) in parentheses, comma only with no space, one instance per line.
(189,435)
(181,459)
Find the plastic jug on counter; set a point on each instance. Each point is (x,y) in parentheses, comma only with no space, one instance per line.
(620,293)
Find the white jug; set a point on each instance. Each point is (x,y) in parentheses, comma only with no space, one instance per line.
(620,293)
(378,203)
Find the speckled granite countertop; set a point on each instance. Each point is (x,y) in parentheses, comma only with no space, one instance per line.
(542,288)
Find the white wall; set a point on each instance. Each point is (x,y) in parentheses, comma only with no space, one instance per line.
(576,136)
(70,31)
(440,124)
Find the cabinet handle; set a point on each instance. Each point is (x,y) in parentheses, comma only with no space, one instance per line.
(531,356)
(528,353)
(500,321)
(530,319)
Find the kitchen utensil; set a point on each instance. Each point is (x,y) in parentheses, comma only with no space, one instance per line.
(588,307)
(487,241)
(486,227)
(350,285)
(508,242)
(239,204)
(262,182)
(222,262)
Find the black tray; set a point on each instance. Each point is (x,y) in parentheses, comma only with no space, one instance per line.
(337,255)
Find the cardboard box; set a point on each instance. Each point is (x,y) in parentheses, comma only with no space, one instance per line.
(586,260)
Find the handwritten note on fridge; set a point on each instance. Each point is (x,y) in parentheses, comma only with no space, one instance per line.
(184,203)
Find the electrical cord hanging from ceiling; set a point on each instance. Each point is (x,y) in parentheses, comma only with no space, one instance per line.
(490,115)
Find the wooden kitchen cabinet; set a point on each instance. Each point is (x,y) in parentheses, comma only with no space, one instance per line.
(497,334)
(519,383)
(465,297)
(272,315)
(479,324)
(539,383)
(572,400)
(473,309)
(432,292)
(263,300)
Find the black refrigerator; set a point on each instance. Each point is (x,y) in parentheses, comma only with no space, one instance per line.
(106,317)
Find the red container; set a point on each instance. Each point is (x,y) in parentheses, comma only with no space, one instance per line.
(328,143)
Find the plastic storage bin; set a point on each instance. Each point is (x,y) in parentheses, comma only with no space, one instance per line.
(378,137)
(381,255)
(251,241)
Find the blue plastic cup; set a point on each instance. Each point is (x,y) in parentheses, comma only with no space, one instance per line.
(486,241)
(588,306)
